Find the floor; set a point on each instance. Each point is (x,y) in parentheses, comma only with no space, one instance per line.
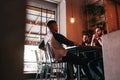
(54,79)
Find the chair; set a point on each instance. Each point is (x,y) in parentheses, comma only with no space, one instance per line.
(39,64)
(57,68)
(51,69)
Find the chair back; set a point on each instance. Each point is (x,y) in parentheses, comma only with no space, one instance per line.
(37,57)
(49,52)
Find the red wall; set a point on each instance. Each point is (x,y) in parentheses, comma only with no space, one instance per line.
(74,31)
(112,18)
(118,8)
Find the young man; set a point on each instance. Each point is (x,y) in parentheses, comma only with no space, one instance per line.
(97,41)
(85,40)
(56,40)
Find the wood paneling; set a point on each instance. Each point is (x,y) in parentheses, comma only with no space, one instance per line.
(118,8)
(111,16)
(74,31)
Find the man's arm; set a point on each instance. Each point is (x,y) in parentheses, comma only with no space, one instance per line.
(60,38)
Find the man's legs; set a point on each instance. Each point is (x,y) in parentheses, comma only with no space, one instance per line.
(93,65)
(78,60)
(69,71)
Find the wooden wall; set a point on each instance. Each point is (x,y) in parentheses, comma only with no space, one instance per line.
(112,15)
(74,31)
(118,14)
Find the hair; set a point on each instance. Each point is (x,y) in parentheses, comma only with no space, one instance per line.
(101,28)
(50,22)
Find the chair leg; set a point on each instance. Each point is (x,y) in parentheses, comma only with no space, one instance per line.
(46,74)
(36,76)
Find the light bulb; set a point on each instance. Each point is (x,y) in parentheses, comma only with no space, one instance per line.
(72,19)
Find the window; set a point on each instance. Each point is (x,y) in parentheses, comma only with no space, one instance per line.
(36,19)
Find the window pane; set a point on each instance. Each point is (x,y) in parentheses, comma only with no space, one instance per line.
(44,13)
(36,30)
(44,30)
(44,20)
(29,58)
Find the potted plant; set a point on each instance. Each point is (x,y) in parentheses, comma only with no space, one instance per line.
(101,24)
(92,21)
(95,10)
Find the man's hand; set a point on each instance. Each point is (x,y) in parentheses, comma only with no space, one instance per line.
(95,36)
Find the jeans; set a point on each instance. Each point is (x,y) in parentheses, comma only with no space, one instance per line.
(78,60)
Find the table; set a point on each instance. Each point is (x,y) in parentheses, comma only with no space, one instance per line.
(77,50)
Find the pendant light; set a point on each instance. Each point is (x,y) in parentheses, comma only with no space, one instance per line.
(72,19)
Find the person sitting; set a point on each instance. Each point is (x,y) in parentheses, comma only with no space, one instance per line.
(96,38)
(97,41)
(86,40)
(60,53)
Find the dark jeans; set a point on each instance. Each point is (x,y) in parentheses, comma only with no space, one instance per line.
(69,72)
(93,64)
(78,60)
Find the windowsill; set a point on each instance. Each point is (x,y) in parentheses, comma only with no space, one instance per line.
(29,72)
